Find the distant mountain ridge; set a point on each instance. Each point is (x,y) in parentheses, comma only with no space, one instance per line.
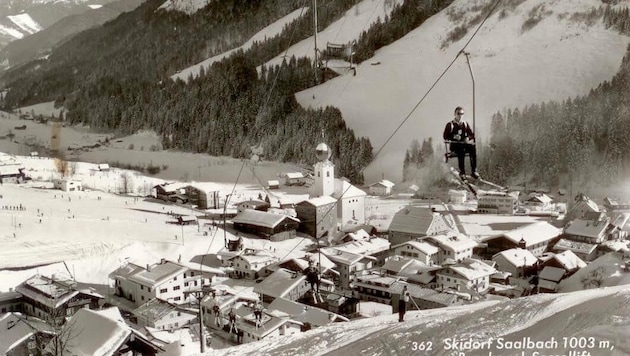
(22,18)
(42,42)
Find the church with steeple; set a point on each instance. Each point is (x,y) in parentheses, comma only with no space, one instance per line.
(350,200)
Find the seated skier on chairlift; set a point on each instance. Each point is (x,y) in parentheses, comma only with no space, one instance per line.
(312,276)
(461,138)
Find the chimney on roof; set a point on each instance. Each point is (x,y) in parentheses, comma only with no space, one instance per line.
(148,267)
(163,261)
(179,259)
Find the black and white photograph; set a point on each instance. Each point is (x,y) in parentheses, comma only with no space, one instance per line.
(315,177)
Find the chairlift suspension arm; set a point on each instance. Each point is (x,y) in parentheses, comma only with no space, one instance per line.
(472,76)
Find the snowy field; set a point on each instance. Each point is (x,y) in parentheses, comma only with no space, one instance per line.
(95,231)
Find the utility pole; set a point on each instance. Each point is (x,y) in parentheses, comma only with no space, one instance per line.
(315,40)
(200,295)
(472,76)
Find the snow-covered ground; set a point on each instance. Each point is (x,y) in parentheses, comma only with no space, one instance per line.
(26,23)
(601,314)
(187,6)
(95,231)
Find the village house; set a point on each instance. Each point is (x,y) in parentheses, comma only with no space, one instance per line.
(274,227)
(348,263)
(538,202)
(20,335)
(163,315)
(12,173)
(582,206)
(535,237)
(203,194)
(591,231)
(68,185)
(250,264)
(549,278)
(253,204)
(225,298)
(294,178)
(584,250)
(300,264)
(412,222)
(454,246)
(273,326)
(422,251)
(387,289)
(567,260)
(317,216)
(412,270)
(10,301)
(350,204)
(273,184)
(90,332)
(517,261)
(615,206)
(470,276)
(53,298)
(166,280)
(493,202)
(423,298)
(103,167)
(171,192)
(382,188)
(287,284)
(305,314)
(376,247)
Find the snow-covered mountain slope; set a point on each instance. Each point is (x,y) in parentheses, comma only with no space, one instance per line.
(563,55)
(267,32)
(599,319)
(187,6)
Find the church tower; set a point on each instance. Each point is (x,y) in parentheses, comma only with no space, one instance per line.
(324,172)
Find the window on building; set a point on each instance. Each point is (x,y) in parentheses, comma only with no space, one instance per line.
(184,275)
(150,289)
(141,287)
(163,290)
(192,274)
(176,288)
(185,284)
(178,298)
(142,297)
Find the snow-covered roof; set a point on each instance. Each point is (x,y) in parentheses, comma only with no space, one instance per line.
(588,228)
(384,183)
(621,220)
(280,283)
(422,246)
(171,187)
(413,219)
(472,269)
(588,202)
(375,280)
(418,292)
(548,285)
(273,182)
(294,175)
(47,291)
(260,218)
(341,256)
(345,190)
(575,246)
(302,262)
(321,201)
(207,187)
(252,202)
(9,169)
(533,233)
(99,332)
(158,273)
(569,260)
(539,198)
(16,328)
(517,257)
(304,313)
(453,241)
(156,309)
(553,274)
(365,247)
(397,265)
(263,259)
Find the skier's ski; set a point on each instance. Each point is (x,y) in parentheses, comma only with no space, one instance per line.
(463,182)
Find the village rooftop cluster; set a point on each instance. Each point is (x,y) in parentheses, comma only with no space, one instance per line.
(444,253)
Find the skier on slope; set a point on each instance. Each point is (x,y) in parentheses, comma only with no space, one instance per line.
(461,137)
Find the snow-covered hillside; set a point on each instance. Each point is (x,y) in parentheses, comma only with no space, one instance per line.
(598,319)
(560,57)
(187,6)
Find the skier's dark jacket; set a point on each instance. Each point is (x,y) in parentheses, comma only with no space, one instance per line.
(453,127)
